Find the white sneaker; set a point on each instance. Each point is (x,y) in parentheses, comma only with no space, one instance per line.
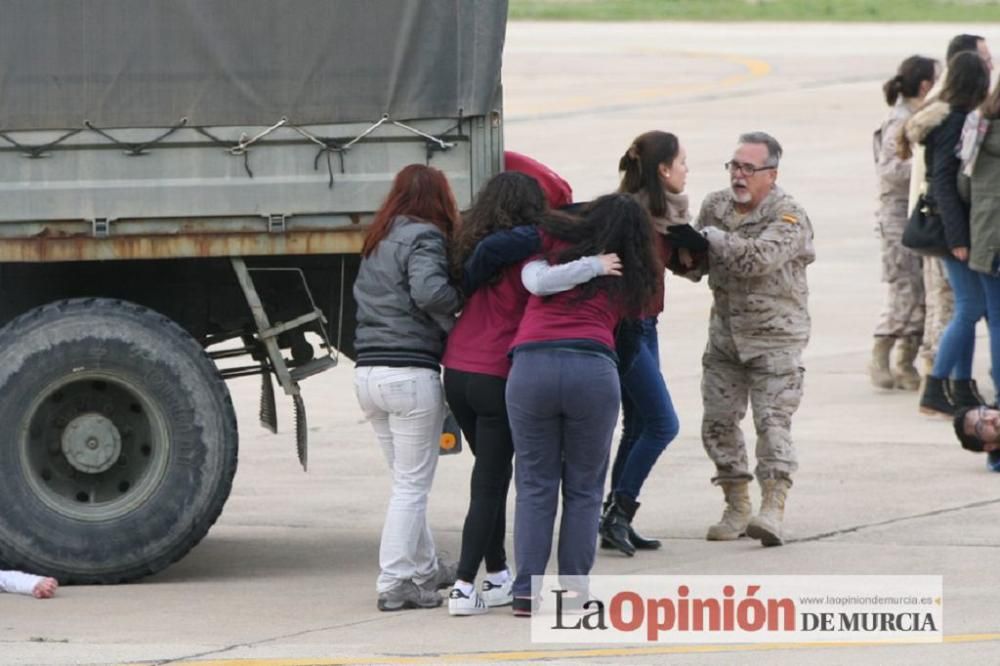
(460,603)
(498,595)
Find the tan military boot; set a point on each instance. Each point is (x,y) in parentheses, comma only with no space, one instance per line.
(766,525)
(736,514)
(879,369)
(905,374)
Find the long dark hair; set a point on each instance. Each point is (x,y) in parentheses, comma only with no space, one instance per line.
(963,42)
(641,163)
(966,85)
(991,107)
(417,191)
(507,200)
(967,82)
(911,73)
(613,223)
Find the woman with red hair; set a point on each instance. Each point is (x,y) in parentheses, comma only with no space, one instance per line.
(406,306)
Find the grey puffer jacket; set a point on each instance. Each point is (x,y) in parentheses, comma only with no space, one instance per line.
(985,217)
(406,302)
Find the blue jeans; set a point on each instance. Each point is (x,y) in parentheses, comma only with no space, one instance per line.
(958,342)
(649,421)
(562,407)
(990,284)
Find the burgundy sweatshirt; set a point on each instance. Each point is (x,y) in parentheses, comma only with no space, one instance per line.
(567,316)
(486,327)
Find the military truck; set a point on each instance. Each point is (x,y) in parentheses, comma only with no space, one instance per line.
(184,186)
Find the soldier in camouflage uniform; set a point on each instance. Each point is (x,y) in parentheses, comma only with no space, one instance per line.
(760,241)
(902,320)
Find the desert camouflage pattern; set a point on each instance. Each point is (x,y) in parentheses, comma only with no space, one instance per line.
(757,272)
(758,328)
(902,270)
(773,384)
(940,306)
(903,313)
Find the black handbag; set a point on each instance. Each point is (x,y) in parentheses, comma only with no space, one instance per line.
(924,231)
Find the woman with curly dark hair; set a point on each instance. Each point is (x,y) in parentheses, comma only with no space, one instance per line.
(563,391)
(477,365)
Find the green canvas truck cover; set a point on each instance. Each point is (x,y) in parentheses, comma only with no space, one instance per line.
(150,63)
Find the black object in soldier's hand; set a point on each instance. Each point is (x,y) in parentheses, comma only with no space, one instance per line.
(684,236)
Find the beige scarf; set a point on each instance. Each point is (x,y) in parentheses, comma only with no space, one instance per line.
(677,211)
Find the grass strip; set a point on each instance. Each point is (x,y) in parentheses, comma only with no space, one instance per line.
(966,11)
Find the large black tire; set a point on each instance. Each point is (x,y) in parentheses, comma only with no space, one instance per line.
(118,441)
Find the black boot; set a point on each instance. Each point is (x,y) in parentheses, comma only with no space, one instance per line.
(604,510)
(935,398)
(637,540)
(642,543)
(615,523)
(965,393)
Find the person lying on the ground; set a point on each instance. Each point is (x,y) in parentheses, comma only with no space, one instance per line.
(978,430)
(19,582)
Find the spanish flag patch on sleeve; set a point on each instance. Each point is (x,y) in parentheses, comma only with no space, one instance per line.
(791,219)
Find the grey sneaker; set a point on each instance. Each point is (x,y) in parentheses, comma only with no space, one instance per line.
(444,576)
(407,595)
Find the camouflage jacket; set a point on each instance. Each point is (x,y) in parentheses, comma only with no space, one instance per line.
(757,272)
(893,172)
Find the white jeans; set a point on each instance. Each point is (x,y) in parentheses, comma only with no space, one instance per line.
(406,409)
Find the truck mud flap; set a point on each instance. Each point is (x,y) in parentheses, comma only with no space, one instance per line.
(289,378)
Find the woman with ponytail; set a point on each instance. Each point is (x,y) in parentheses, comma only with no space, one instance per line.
(902,320)
(654,173)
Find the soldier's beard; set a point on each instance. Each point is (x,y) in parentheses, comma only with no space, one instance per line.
(741,194)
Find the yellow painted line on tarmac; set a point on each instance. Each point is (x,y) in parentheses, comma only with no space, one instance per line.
(532,655)
(753,69)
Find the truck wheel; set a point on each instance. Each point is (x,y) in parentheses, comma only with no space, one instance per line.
(118,441)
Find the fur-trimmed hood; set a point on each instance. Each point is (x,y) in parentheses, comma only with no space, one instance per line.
(926,119)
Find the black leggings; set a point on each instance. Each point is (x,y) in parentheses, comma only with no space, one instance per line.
(479,406)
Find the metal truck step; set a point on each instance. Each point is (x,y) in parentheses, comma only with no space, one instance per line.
(313,367)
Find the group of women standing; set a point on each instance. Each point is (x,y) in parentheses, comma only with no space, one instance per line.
(557,327)
(959,131)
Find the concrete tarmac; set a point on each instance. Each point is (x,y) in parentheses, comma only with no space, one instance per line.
(287,575)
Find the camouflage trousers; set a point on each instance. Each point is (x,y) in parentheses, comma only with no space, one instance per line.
(902,271)
(940,304)
(772,383)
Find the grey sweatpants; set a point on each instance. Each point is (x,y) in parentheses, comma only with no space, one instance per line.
(563,406)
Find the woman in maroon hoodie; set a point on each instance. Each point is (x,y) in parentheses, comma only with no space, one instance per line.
(477,365)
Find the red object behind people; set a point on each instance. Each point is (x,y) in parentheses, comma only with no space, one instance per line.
(483,333)
(557,191)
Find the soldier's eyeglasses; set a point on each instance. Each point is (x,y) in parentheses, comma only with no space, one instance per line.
(745,169)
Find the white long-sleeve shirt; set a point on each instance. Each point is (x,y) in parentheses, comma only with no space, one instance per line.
(544,279)
(18,582)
